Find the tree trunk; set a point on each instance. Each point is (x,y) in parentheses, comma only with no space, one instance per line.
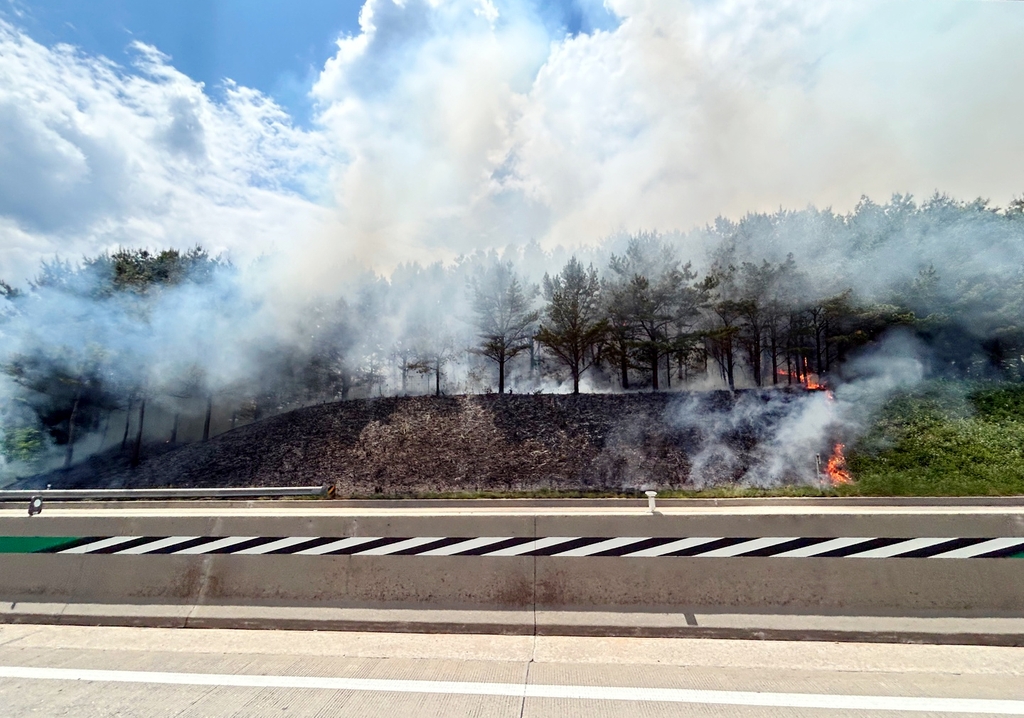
(106,428)
(501,375)
(817,350)
(437,378)
(209,413)
(69,452)
(174,428)
(624,367)
(127,419)
(668,371)
(729,367)
(655,369)
(137,449)
(755,356)
(775,361)
(828,363)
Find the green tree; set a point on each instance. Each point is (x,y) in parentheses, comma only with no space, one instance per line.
(504,316)
(652,305)
(574,325)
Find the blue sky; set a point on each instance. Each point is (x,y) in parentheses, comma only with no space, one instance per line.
(275,46)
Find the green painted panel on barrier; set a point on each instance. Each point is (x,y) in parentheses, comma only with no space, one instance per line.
(33,544)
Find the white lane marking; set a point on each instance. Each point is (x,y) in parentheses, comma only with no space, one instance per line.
(820,548)
(603,546)
(983,547)
(336,545)
(400,546)
(275,545)
(673,546)
(467,545)
(898,548)
(825,701)
(158,544)
(216,545)
(752,545)
(105,543)
(532,546)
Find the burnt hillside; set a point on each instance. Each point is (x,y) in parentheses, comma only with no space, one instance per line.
(416,445)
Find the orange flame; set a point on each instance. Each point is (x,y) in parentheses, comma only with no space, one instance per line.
(836,468)
(809,381)
(812,383)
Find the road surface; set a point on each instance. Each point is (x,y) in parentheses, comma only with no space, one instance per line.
(89,672)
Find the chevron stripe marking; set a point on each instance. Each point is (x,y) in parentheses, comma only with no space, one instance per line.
(216,545)
(1015,550)
(669,546)
(273,546)
(155,544)
(463,545)
(555,546)
(820,549)
(528,548)
(943,546)
(501,545)
(336,545)
(99,544)
(602,547)
(898,549)
(742,549)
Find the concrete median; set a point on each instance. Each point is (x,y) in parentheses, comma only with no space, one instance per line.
(507,569)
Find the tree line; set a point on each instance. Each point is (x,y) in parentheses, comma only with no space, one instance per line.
(778,300)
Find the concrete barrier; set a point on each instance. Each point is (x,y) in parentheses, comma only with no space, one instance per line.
(986,586)
(196,585)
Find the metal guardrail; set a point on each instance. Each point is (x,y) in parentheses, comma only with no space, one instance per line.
(116,494)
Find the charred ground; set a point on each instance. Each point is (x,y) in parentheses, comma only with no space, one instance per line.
(425,445)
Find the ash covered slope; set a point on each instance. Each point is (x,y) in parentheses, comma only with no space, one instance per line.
(416,445)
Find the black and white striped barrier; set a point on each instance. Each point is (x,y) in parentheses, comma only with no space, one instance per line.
(497,546)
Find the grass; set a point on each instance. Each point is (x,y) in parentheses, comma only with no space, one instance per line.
(947,439)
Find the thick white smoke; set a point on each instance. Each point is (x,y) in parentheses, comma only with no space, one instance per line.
(443,128)
(769,437)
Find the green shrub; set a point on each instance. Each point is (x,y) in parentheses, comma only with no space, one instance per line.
(22,444)
(945,440)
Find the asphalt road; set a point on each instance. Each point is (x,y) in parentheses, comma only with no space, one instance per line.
(89,672)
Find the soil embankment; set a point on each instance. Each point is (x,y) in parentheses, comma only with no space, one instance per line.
(420,445)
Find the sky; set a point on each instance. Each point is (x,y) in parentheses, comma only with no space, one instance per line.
(275,47)
(329,134)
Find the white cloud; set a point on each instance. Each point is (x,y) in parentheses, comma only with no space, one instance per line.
(462,133)
(445,126)
(95,156)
